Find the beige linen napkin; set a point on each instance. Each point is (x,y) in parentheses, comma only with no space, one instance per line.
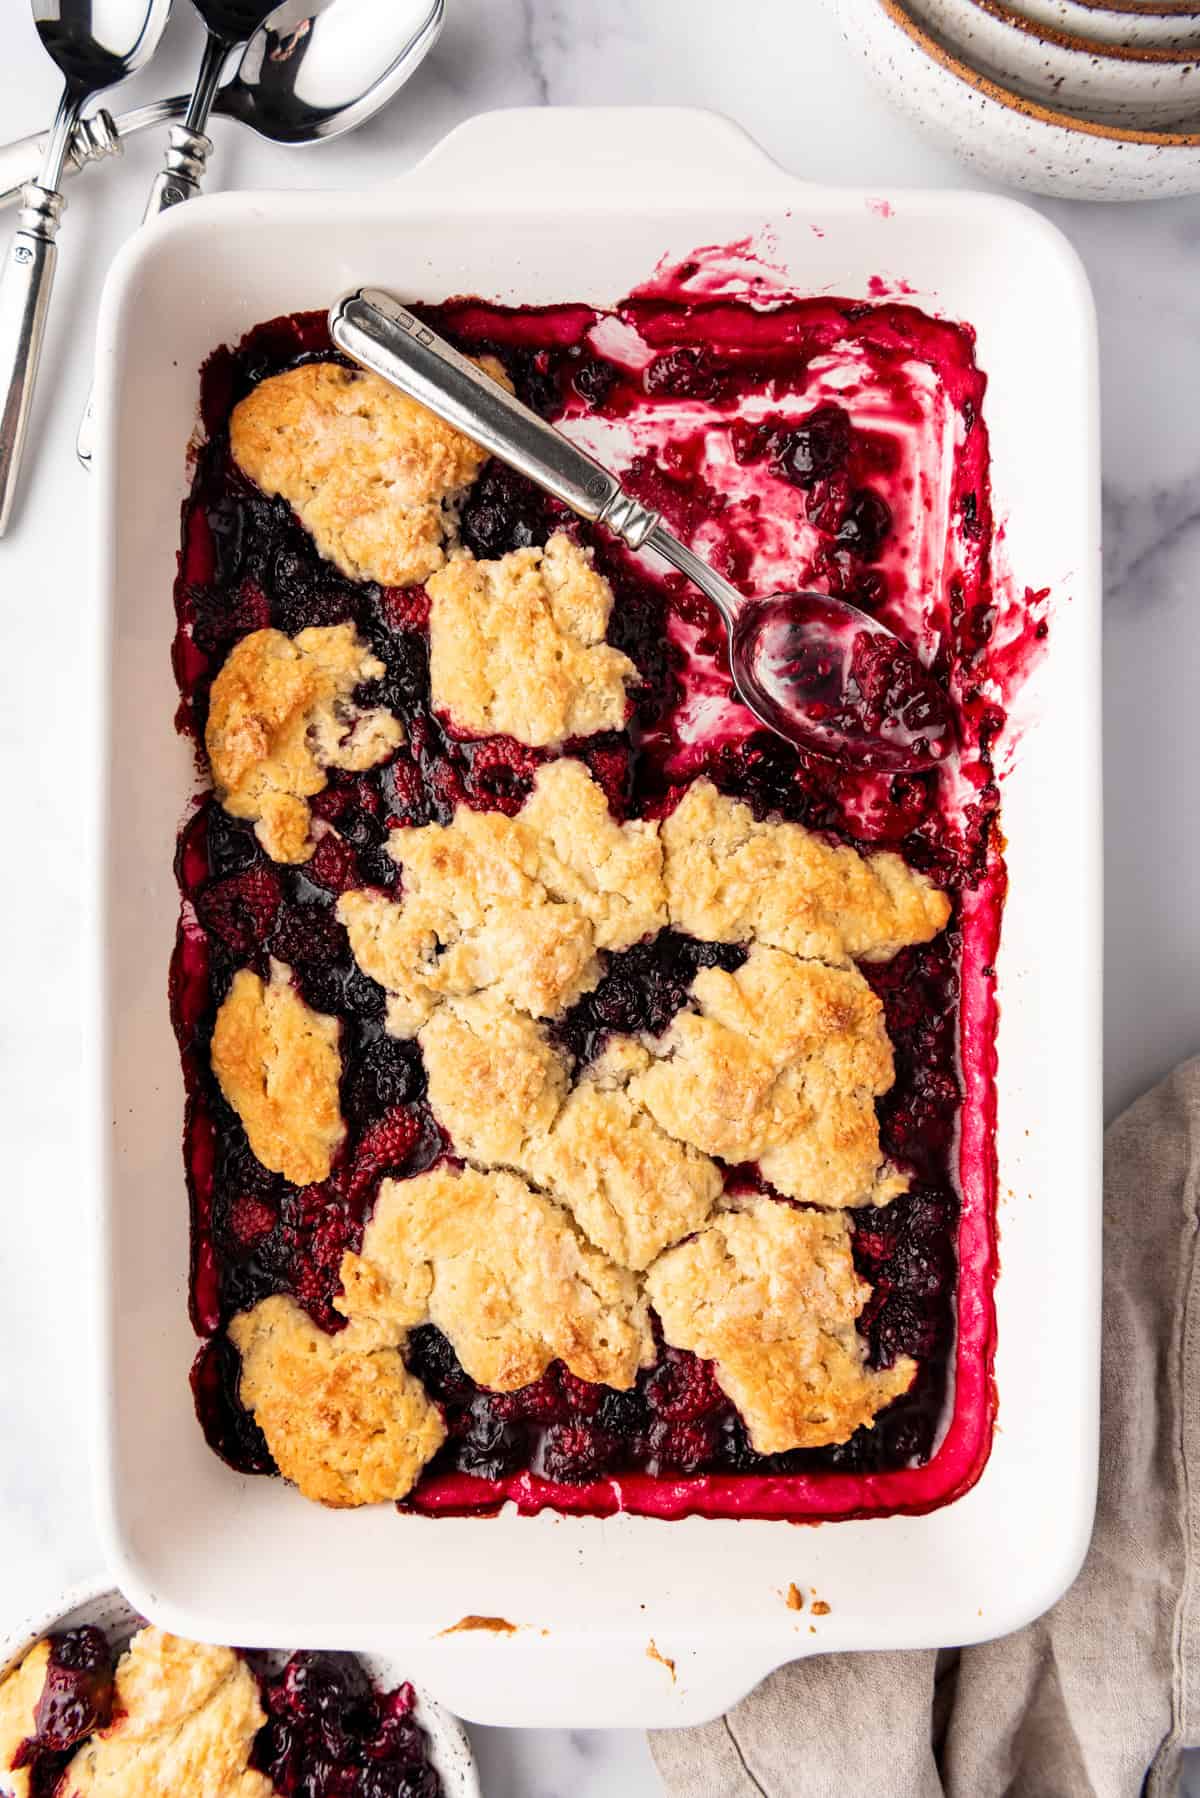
(1097,1698)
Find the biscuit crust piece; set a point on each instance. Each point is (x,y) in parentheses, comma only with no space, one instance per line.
(770,1295)
(495,1083)
(516,646)
(186,1718)
(731,879)
(278,1065)
(19,1695)
(371,474)
(499,1089)
(780,1063)
(280,715)
(344,1419)
(502,1271)
(517,907)
(630,1187)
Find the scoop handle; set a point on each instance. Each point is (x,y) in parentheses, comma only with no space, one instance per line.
(385,337)
(25,287)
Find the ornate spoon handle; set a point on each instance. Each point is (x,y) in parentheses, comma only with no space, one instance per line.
(95,138)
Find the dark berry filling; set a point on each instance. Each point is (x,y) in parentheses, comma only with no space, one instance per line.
(76,1700)
(246,562)
(641,990)
(330,1734)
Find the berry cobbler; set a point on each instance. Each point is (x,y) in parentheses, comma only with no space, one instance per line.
(589,1094)
(168,1718)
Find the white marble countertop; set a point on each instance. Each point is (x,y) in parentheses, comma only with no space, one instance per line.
(780,69)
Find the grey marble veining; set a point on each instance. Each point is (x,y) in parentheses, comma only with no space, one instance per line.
(778,67)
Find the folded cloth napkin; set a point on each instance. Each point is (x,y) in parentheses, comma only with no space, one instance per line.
(1098,1698)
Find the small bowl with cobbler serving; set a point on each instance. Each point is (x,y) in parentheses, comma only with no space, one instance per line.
(95,1700)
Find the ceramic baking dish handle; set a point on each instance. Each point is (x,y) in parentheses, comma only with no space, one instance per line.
(572,156)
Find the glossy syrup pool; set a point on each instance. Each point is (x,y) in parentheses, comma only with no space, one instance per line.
(329,1732)
(804,443)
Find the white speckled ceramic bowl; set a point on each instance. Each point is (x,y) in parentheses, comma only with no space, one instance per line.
(1001,134)
(1139,88)
(1159,26)
(449,1748)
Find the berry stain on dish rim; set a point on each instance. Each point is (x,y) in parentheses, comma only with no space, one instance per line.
(795,442)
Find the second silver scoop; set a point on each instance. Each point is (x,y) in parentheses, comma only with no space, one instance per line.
(801,662)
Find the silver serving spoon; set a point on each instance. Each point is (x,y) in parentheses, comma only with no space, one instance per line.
(95,44)
(814,669)
(305,75)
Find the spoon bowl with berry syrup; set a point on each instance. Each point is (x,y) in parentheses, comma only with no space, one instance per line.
(811,667)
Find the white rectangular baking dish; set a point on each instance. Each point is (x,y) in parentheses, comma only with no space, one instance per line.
(533,207)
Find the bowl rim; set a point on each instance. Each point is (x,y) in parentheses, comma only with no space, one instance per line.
(1144,9)
(1095,49)
(1033,110)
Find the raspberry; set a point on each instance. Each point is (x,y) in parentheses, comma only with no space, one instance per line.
(250,1219)
(682,1387)
(342,796)
(582,1396)
(685,1447)
(611,767)
(404,608)
(382,1149)
(240,910)
(543,1402)
(318,1228)
(576,1453)
(405,793)
(333,864)
(220,620)
(498,774)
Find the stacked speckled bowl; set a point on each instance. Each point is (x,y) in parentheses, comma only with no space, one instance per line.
(1097,99)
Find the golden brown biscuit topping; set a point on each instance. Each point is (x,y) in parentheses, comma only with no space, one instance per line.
(516,646)
(516,907)
(344,1419)
(280,715)
(769,1294)
(278,1065)
(503,1273)
(185,1719)
(779,1063)
(632,1188)
(731,879)
(499,1089)
(373,475)
(495,1083)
